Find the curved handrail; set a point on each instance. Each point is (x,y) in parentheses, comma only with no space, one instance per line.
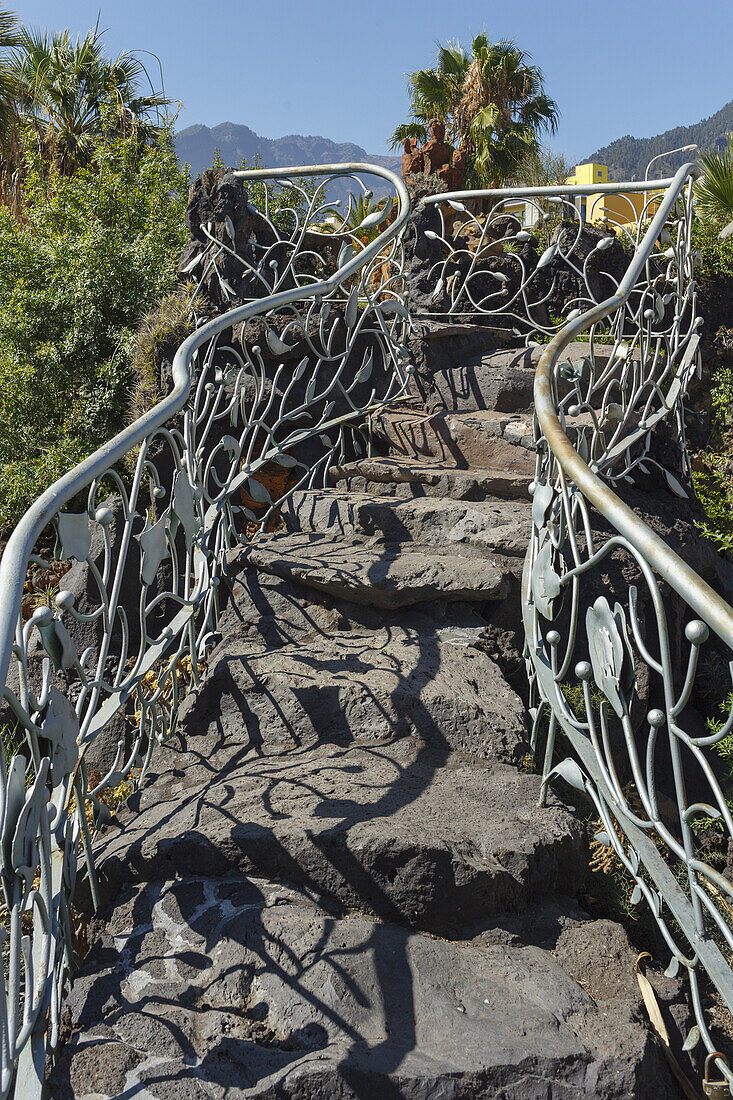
(549,191)
(651,551)
(49,825)
(19,548)
(628,712)
(612,729)
(679,575)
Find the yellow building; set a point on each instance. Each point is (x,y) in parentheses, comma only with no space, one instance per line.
(619,208)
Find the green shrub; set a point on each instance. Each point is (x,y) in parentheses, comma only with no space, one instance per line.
(710,475)
(716,255)
(96,251)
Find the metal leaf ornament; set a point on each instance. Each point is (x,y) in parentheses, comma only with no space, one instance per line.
(610,653)
(352,308)
(75,536)
(21,819)
(153,541)
(183,504)
(275,344)
(546,583)
(60,726)
(58,644)
(541,504)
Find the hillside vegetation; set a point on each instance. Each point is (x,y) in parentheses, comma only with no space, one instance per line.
(628,156)
(91,226)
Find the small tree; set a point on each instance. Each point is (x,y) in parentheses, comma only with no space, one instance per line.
(95,251)
(542,168)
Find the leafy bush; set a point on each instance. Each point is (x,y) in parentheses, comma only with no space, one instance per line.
(710,474)
(94,252)
(716,255)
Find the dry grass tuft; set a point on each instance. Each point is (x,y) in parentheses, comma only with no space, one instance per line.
(160,331)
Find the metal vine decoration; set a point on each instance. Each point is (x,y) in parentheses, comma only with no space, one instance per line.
(623,677)
(508,263)
(265,394)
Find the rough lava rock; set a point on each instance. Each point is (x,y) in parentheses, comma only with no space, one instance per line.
(209,989)
(414,679)
(432,840)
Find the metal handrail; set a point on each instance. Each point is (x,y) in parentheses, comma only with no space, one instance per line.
(566,486)
(551,190)
(19,548)
(22,1047)
(652,552)
(711,607)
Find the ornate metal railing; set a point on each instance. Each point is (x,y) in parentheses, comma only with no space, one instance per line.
(263,395)
(621,681)
(531,258)
(621,677)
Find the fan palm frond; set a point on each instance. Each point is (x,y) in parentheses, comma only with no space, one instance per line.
(415,130)
(69,91)
(714,190)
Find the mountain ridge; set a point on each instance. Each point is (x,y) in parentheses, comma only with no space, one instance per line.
(197,144)
(627,156)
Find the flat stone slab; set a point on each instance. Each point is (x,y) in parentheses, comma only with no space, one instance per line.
(500,380)
(431,477)
(495,526)
(214,989)
(378,575)
(399,831)
(417,678)
(481,438)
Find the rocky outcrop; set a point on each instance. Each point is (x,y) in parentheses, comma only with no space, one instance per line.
(435,158)
(217,204)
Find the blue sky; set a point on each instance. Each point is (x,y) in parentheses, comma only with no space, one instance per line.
(338,69)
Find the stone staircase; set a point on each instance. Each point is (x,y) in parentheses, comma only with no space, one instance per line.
(338,882)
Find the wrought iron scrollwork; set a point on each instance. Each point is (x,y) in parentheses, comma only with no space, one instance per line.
(619,676)
(265,398)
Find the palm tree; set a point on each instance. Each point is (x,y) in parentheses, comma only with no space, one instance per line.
(714,190)
(69,92)
(9,38)
(493,104)
(437,94)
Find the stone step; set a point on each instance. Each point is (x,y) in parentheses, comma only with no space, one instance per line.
(470,439)
(427,838)
(339,682)
(498,526)
(502,381)
(407,477)
(380,575)
(209,988)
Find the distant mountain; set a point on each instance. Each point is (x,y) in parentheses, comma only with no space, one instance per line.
(627,157)
(197,145)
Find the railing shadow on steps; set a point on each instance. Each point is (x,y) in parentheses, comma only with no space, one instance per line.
(620,683)
(275,383)
(228,417)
